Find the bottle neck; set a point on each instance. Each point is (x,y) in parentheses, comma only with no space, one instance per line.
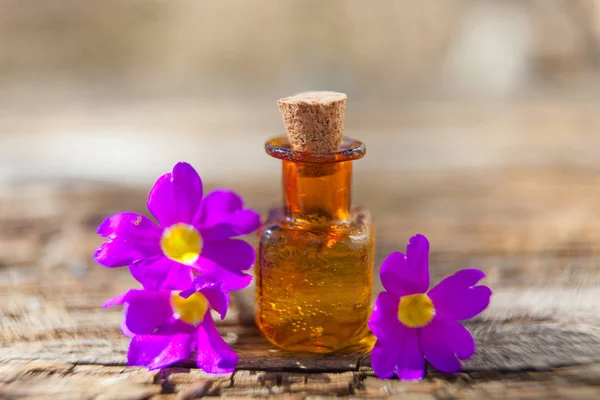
(317,190)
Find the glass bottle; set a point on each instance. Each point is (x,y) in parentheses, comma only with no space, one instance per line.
(316,253)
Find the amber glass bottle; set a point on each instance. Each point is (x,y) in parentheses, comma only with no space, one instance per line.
(315,258)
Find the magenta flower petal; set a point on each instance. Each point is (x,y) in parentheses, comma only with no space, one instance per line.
(131,237)
(130,225)
(457,298)
(417,259)
(217,297)
(226,261)
(218,204)
(384,319)
(144,349)
(233,254)
(187,191)
(162,273)
(146,311)
(179,276)
(176,196)
(160,200)
(115,301)
(222,216)
(160,351)
(401,355)
(436,350)
(240,223)
(391,275)
(179,348)
(231,280)
(411,365)
(464,278)
(456,336)
(118,253)
(383,360)
(406,275)
(213,354)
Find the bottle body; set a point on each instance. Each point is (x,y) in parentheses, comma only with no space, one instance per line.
(314,269)
(314,282)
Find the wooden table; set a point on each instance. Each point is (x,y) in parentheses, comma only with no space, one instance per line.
(536,234)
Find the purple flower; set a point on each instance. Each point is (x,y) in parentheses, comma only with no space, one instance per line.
(413,324)
(166,327)
(195,235)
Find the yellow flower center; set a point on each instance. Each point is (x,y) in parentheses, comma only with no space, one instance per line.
(191,310)
(181,243)
(416,310)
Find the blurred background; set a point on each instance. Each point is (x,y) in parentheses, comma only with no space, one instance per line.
(120,90)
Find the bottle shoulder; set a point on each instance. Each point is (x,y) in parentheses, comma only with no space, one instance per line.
(358,227)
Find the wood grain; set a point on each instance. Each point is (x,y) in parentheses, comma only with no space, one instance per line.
(535,233)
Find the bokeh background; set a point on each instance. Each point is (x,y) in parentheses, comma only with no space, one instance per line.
(120,90)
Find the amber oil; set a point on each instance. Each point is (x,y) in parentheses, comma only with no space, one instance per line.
(315,257)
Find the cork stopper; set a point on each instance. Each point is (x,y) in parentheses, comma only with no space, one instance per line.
(314,120)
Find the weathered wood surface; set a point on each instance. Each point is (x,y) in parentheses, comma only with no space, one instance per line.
(536,234)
